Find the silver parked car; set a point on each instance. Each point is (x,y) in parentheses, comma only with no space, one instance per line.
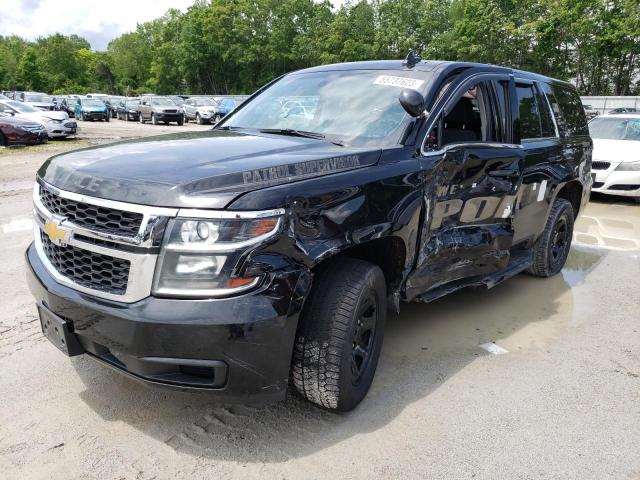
(200,109)
(38,100)
(58,124)
(159,109)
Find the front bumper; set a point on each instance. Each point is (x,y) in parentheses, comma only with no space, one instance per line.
(236,348)
(617,182)
(168,117)
(62,130)
(27,138)
(95,115)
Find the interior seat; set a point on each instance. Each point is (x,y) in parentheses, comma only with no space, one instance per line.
(458,124)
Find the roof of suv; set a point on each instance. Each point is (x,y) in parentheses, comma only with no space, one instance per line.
(426,66)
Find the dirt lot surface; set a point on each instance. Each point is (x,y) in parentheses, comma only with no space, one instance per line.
(562,403)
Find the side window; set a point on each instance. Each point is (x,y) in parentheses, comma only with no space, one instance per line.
(471,119)
(546,118)
(529,114)
(574,119)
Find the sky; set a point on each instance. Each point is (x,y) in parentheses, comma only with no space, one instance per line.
(99,21)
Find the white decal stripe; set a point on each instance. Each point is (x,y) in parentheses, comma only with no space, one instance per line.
(543,188)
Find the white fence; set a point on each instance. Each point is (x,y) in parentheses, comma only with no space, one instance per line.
(605,104)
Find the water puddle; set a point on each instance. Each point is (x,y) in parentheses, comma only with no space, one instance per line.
(609,227)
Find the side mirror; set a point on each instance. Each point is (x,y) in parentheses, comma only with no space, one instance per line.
(412,102)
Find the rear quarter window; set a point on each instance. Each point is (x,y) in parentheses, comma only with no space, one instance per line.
(568,109)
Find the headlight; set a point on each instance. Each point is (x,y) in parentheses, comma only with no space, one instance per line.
(200,256)
(629,167)
(54,120)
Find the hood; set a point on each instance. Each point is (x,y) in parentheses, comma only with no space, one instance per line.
(18,121)
(39,117)
(198,169)
(54,115)
(616,150)
(41,105)
(93,109)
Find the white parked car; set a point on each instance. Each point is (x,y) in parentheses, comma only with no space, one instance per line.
(57,123)
(616,154)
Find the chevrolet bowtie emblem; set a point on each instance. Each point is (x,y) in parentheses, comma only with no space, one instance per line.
(56,233)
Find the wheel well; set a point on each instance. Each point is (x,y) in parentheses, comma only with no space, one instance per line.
(572,192)
(389,253)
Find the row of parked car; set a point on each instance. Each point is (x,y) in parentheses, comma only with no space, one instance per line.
(591,112)
(34,117)
(22,123)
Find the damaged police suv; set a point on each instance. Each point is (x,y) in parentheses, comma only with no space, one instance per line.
(267,251)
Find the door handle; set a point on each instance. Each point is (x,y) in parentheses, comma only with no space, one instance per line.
(509,173)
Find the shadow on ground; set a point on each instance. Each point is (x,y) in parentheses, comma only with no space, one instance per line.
(424,346)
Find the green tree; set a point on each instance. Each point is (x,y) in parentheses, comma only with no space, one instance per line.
(28,75)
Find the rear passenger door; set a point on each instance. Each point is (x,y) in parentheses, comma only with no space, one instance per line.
(537,132)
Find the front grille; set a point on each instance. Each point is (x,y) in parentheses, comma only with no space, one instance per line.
(600,165)
(598,184)
(170,111)
(624,187)
(88,269)
(101,219)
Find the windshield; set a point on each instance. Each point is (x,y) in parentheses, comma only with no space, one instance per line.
(358,107)
(615,128)
(205,102)
(91,102)
(22,107)
(37,98)
(132,103)
(162,101)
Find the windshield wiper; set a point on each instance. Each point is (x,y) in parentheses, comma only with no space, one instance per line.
(298,133)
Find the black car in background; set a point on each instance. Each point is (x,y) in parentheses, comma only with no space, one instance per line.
(128,109)
(67,104)
(18,131)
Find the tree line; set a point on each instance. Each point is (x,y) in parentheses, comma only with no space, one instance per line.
(235,46)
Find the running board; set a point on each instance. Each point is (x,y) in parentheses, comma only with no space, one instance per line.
(520,261)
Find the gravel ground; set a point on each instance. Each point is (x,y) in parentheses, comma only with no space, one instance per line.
(564,402)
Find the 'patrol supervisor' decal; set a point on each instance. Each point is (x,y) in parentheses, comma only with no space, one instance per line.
(301,169)
(279,174)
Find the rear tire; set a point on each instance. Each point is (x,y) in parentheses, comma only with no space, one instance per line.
(340,334)
(552,248)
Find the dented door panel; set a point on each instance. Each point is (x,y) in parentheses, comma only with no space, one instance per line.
(467,230)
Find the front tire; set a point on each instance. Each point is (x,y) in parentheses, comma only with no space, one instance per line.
(552,248)
(340,334)
(199,120)
(154,120)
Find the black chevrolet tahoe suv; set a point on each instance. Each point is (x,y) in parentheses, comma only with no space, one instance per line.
(267,251)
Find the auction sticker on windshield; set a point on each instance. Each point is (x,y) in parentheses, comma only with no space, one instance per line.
(403,82)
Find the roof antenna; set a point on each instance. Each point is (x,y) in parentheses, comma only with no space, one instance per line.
(412,59)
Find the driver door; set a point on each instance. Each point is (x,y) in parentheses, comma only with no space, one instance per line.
(472,173)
